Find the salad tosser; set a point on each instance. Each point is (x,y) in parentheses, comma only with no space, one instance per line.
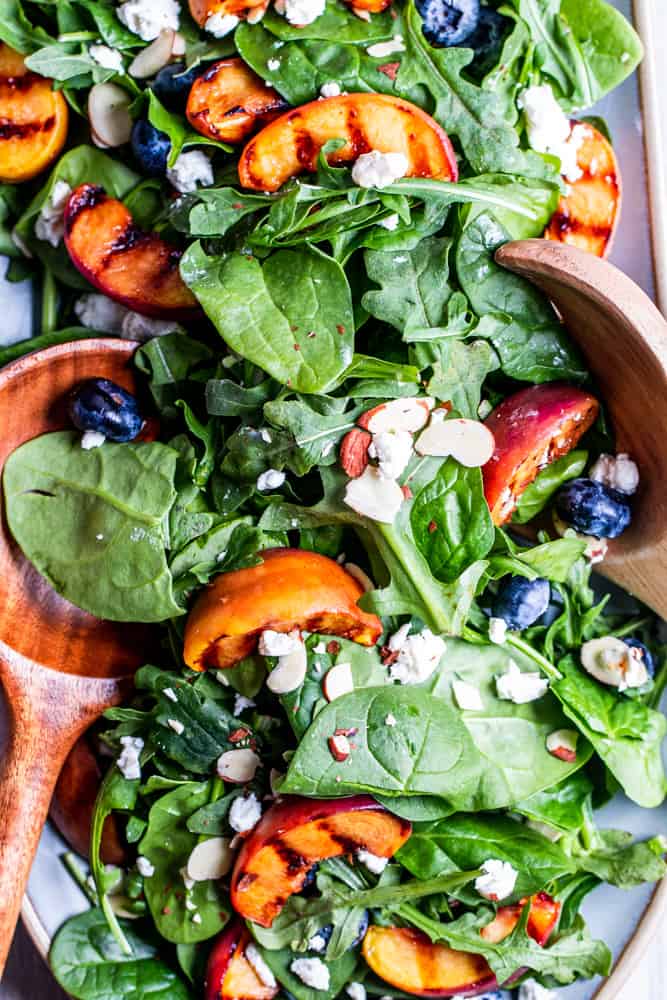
(359,493)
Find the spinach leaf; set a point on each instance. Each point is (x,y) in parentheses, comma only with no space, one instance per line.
(17,31)
(168,844)
(562,806)
(292,316)
(414,285)
(92,522)
(451,522)
(87,962)
(340,972)
(535,497)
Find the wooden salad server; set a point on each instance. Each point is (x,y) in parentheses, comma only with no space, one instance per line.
(623,337)
(60,667)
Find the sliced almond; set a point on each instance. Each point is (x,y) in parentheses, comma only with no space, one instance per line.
(373,496)
(468,441)
(363,579)
(238,766)
(562,743)
(212,858)
(154,57)
(408,414)
(290,672)
(339,747)
(338,681)
(179,45)
(109,114)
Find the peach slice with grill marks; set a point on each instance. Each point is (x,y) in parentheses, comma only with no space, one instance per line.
(229,102)
(291,144)
(532,428)
(588,214)
(296,833)
(289,589)
(133,267)
(33,120)
(229,974)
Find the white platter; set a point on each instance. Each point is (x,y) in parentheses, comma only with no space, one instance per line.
(626,920)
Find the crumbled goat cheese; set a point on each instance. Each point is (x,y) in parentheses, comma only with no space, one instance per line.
(170,694)
(320,648)
(392,450)
(260,968)
(391,222)
(144,867)
(356,991)
(92,439)
(389,719)
(301,12)
(141,328)
(50,224)
(418,657)
(497,630)
(278,643)
(128,762)
(273,65)
(317,943)
(265,435)
(188,882)
(272,479)
(618,472)
(519,687)
(498,880)
(330,89)
(549,129)
(219,25)
(107,57)
(311,971)
(98,312)
(373,862)
(467,696)
(245,813)
(147,18)
(376,169)
(191,170)
(196,918)
(177,726)
(532,990)
(484,409)
(241,703)
(382,49)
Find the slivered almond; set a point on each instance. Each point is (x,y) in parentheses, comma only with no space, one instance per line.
(154,57)
(470,442)
(362,578)
(289,674)
(354,452)
(562,743)
(211,859)
(410,414)
(339,747)
(109,114)
(238,766)
(338,681)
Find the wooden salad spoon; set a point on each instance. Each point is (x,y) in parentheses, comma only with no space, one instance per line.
(623,337)
(60,667)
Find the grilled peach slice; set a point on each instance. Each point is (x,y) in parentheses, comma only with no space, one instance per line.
(291,144)
(74,801)
(135,268)
(228,102)
(587,216)
(409,961)
(245,10)
(532,428)
(33,120)
(296,833)
(290,588)
(229,974)
(365,7)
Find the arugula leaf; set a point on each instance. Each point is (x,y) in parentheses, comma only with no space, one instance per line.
(338,23)
(458,371)
(171,362)
(91,522)
(267,312)
(68,62)
(16,29)
(535,497)
(615,859)
(225,398)
(414,285)
(70,333)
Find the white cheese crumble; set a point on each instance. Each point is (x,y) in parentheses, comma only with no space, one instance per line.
(376,169)
(389,719)
(144,867)
(196,918)
(107,57)
(618,472)
(50,223)
(356,991)
(391,222)
(532,990)
(259,966)
(392,450)
(311,971)
(147,18)
(241,703)
(141,328)
(467,696)
(549,129)
(92,439)
(170,694)
(418,657)
(300,12)
(497,630)
(484,409)
(272,479)
(317,943)
(273,65)
(278,643)
(373,862)
(519,687)
(99,312)
(382,49)
(128,761)
(245,813)
(191,170)
(498,880)
(177,726)
(330,89)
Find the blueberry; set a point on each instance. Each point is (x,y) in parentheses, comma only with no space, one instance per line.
(150,147)
(593,508)
(311,875)
(101,405)
(327,931)
(172,85)
(521,602)
(448,22)
(646,654)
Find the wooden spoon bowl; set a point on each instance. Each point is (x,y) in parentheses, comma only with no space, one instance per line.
(60,667)
(623,337)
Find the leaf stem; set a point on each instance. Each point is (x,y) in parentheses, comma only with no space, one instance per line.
(49,302)
(73,867)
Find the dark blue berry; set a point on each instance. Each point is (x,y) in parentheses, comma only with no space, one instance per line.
(520,602)
(173,83)
(327,931)
(593,508)
(150,147)
(487,38)
(100,405)
(448,22)
(646,655)
(311,875)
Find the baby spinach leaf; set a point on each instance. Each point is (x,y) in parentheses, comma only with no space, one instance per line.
(92,522)
(168,844)
(292,316)
(340,972)
(414,285)
(536,496)
(451,522)
(562,806)
(87,962)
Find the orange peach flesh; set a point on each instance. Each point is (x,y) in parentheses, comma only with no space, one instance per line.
(241,982)
(228,102)
(201,10)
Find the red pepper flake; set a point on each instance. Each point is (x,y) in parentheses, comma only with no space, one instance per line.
(389,69)
(238,735)
(340,328)
(432,526)
(237,205)
(407,492)
(167,911)
(333,647)
(297,347)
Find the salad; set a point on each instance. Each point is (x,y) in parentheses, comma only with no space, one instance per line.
(358,493)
